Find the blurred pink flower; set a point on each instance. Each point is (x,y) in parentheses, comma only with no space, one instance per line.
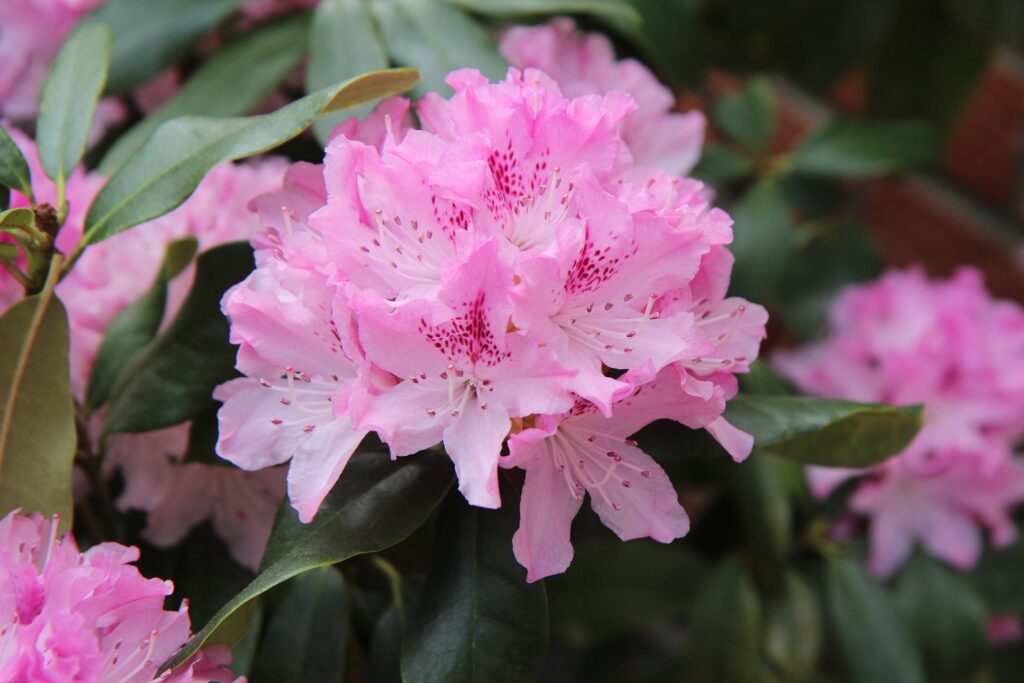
(949,345)
(90,617)
(584,64)
(1005,629)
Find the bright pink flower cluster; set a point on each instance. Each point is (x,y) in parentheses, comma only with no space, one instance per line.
(113,274)
(584,64)
(949,345)
(506,273)
(89,617)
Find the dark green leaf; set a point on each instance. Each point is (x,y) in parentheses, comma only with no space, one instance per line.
(719,165)
(478,620)
(872,640)
(766,515)
(992,20)
(150,35)
(999,578)
(68,99)
(793,629)
(375,504)
(748,117)
(436,38)
(612,10)
(926,66)
(172,380)
(307,633)
(14,170)
(37,419)
(612,588)
(343,43)
(386,648)
(834,258)
(763,380)
(165,171)
(134,327)
(946,618)
(763,228)
(827,432)
(860,149)
(725,630)
(226,84)
(202,438)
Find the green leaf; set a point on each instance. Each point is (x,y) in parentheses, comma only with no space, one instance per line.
(343,43)
(609,10)
(748,117)
(999,579)
(436,38)
(861,149)
(725,629)
(766,515)
(172,380)
(614,588)
(834,258)
(669,36)
(165,171)
(307,633)
(37,417)
(17,219)
(202,438)
(826,432)
(14,170)
(375,504)
(478,621)
(763,229)
(134,327)
(68,100)
(386,648)
(226,84)
(872,642)
(946,617)
(150,35)
(720,165)
(793,629)
(926,66)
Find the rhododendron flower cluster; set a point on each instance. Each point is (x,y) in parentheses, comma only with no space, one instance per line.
(584,64)
(949,345)
(89,617)
(507,273)
(113,274)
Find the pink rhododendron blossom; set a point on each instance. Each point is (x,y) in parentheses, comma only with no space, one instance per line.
(90,617)
(258,10)
(584,64)
(948,345)
(1005,629)
(505,270)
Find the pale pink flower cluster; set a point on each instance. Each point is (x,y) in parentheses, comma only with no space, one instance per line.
(948,345)
(116,272)
(505,274)
(584,64)
(88,617)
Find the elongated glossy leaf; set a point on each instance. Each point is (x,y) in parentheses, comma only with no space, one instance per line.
(226,84)
(726,630)
(68,100)
(134,327)
(826,432)
(478,620)
(150,35)
(14,170)
(375,504)
(436,38)
(947,619)
(860,149)
(609,10)
(343,43)
(172,380)
(170,165)
(871,639)
(307,633)
(37,420)
(767,518)
(793,629)
(613,588)
(749,115)
(763,241)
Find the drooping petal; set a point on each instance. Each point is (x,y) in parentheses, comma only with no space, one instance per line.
(473,441)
